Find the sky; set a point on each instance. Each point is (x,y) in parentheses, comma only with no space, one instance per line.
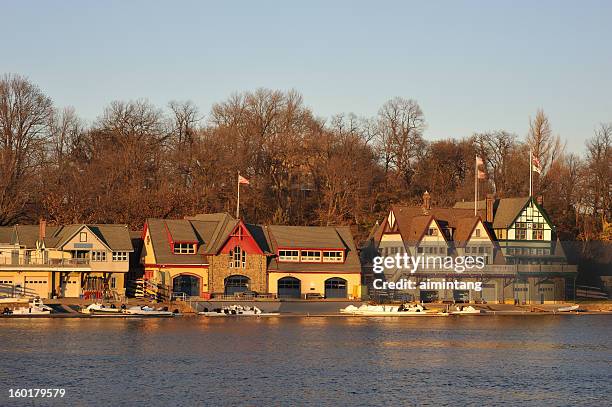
(473,66)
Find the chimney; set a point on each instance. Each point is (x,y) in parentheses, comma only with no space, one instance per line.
(42,230)
(426,201)
(489,208)
(540,200)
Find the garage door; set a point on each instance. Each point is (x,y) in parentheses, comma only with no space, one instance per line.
(6,287)
(428,296)
(546,292)
(489,292)
(461,295)
(289,287)
(72,287)
(335,288)
(521,293)
(236,284)
(37,287)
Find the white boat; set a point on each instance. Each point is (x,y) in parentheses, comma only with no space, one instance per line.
(236,310)
(35,307)
(403,310)
(569,309)
(469,310)
(99,309)
(144,310)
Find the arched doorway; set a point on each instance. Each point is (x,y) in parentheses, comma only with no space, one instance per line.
(184,283)
(289,287)
(236,284)
(335,287)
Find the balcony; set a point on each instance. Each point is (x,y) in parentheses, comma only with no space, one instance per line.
(24,262)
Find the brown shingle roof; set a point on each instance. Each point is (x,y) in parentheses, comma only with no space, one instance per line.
(306,237)
(505,210)
(7,235)
(413,221)
(116,237)
(209,230)
(313,237)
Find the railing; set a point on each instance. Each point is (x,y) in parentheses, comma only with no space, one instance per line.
(36,261)
(242,297)
(396,274)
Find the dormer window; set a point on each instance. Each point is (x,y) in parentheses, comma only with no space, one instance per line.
(184,248)
(333,256)
(289,255)
(311,256)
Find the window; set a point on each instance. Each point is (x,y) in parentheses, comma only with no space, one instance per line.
(419,250)
(537,234)
(237,258)
(113,282)
(432,232)
(477,233)
(336,256)
(120,256)
(184,248)
(289,255)
(311,256)
(521,231)
(98,256)
(83,237)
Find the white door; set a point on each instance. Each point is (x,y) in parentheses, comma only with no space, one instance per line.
(37,287)
(489,292)
(71,287)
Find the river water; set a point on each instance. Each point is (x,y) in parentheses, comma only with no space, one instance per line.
(503,360)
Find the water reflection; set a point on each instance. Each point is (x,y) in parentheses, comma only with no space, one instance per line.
(319,360)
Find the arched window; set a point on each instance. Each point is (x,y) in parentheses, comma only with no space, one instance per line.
(237,258)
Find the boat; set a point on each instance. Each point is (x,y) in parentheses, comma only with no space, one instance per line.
(403,310)
(35,307)
(569,309)
(236,310)
(145,310)
(469,310)
(101,309)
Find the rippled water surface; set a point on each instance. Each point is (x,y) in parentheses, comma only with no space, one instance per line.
(534,360)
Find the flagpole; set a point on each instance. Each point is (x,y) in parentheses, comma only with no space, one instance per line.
(238,200)
(530,173)
(476,186)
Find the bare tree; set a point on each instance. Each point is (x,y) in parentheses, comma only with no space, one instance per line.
(25,113)
(401,124)
(544,146)
(495,148)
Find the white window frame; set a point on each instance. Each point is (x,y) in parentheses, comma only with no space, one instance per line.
(309,256)
(287,255)
(184,248)
(335,258)
(98,255)
(120,256)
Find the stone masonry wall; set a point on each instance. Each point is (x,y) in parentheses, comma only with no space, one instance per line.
(255,270)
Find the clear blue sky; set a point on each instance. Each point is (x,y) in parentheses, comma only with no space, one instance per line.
(472,65)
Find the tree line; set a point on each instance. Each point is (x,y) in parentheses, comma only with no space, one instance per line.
(137,160)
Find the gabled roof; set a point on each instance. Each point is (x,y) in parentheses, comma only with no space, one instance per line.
(505,210)
(7,235)
(413,222)
(115,237)
(209,231)
(312,237)
(306,237)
